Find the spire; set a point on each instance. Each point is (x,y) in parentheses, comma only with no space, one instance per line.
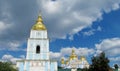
(62,61)
(73,51)
(39,17)
(40,13)
(83,58)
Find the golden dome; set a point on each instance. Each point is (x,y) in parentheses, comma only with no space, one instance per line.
(73,55)
(39,24)
(67,61)
(82,58)
(62,61)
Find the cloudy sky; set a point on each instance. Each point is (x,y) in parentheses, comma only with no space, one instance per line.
(88,26)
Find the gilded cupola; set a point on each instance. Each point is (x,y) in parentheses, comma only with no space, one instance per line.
(62,61)
(39,24)
(67,61)
(83,58)
(73,55)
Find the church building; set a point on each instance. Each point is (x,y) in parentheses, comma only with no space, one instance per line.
(37,56)
(74,63)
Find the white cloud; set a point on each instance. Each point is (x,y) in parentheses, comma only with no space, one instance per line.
(22,56)
(51,6)
(6,57)
(11,46)
(116,6)
(99,28)
(68,17)
(10,58)
(4,26)
(110,46)
(67,52)
(85,51)
(11,23)
(89,33)
(71,37)
(115,59)
(55,55)
(92,31)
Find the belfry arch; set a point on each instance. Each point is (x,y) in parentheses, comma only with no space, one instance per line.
(37,49)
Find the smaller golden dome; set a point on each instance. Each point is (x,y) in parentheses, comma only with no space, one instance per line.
(82,58)
(39,24)
(70,58)
(67,61)
(73,55)
(62,61)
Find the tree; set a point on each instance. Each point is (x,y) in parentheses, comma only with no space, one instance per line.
(100,63)
(116,67)
(85,69)
(6,66)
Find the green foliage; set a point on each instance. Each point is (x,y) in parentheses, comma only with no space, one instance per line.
(84,69)
(6,66)
(116,67)
(100,63)
(59,67)
(64,69)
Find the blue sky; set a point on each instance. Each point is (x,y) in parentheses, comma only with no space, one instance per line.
(87,27)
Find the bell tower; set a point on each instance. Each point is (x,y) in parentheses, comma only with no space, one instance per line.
(38,43)
(37,56)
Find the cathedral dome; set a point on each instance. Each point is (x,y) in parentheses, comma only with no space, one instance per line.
(83,58)
(73,55)
(39,24)
(62,61)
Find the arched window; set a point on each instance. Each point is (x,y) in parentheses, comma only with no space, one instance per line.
(38,49)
